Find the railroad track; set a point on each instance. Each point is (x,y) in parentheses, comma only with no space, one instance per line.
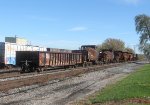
(9,74)
(18,75)
(43,77)
(15,73)
(66,89)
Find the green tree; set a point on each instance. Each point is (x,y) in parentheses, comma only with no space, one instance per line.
(113,44)
(142,23)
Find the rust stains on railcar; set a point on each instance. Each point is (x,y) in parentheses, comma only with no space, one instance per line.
(45,59)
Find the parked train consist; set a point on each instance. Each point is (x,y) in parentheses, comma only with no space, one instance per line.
(87,55)
(17,52)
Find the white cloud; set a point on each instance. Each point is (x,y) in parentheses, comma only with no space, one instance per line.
(78,29)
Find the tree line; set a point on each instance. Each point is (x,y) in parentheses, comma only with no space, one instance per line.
(114,45)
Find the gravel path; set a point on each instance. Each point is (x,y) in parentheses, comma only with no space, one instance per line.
(63,92)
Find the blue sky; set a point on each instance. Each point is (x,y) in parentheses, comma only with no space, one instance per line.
(71,23)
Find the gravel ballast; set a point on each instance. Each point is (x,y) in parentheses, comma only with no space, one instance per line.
(65,91)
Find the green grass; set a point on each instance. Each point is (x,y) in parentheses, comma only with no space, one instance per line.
(136,85)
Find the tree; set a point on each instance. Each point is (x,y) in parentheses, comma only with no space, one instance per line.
(112,44)
(146,50)
(130,50)
(142,23)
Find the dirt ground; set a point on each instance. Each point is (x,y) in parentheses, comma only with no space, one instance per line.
(68,90)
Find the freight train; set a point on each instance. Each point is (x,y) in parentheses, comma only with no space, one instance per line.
(86,56)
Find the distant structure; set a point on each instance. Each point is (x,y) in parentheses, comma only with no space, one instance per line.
(11,45)
(17,40)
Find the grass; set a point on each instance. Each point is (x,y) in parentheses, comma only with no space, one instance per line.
(136,85)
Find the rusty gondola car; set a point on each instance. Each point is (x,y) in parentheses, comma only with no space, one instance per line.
(92,54)
(118,56)
(106,56)
(131,56)
(89,54)
(125,56)
(39,60)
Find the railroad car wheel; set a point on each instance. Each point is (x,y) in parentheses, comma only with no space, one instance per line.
(101,63)
(40,69)
(32,69)
(75,66)
(25,68)
(8,67)
(85,64)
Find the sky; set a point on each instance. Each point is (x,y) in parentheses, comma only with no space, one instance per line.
(68,24)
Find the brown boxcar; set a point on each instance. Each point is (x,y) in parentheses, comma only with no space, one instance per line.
(31,60)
